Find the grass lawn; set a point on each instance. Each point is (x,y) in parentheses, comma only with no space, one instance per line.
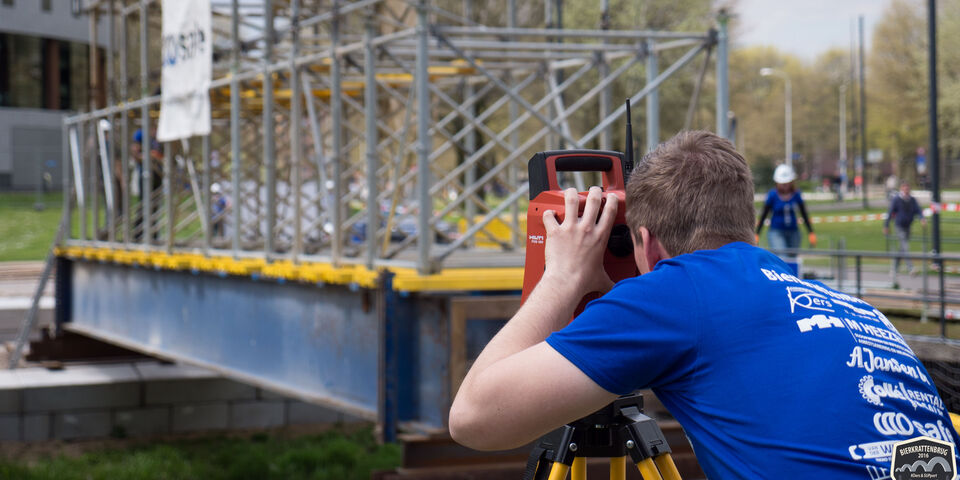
(334,455)
(26,233)
(913,326)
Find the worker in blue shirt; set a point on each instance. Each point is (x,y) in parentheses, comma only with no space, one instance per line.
(770,375)
(783,202)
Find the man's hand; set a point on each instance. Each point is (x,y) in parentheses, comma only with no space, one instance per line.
(886,230)
(519,387)
(573,254)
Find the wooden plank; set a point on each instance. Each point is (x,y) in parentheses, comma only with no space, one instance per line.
(493,307)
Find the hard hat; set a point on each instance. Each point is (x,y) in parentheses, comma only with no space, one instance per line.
(215,188)
(784,174)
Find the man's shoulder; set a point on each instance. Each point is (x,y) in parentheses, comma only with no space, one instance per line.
(710,264)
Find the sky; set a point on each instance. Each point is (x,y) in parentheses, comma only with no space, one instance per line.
(805,28)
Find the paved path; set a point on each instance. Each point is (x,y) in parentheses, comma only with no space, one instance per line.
(18,282)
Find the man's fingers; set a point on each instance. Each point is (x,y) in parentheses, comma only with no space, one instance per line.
(550,221)
(592,206)
(571,206)
(609,214)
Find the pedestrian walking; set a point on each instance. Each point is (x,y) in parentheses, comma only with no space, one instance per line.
(904,209)
(782,205)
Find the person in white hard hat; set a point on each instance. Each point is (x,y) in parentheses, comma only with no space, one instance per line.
(782,203)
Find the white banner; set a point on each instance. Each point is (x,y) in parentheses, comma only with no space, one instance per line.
(187,53)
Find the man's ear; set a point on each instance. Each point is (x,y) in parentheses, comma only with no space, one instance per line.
(649,248)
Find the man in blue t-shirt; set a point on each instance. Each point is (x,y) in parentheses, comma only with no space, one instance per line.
(771,376)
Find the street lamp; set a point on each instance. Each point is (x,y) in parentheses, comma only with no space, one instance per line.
(787,106)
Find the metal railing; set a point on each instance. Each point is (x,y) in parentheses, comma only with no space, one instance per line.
(870,273)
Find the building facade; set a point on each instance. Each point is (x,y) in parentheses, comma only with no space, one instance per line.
(44,75)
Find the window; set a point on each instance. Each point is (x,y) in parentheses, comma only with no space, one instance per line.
(43,73)
(25,72)
(79,76)
(4,70)
(8,3)
(46,5)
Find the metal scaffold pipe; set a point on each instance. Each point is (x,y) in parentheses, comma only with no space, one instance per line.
(416,129)
(269,150)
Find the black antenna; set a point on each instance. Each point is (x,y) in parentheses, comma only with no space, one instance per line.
(628,150)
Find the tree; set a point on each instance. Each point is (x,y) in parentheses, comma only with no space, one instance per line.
(897,85)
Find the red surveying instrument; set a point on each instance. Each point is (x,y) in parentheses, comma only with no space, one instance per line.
(546,194)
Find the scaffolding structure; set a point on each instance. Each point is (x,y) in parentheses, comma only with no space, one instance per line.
(373,132)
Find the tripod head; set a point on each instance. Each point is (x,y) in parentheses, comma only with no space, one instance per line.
(617,430)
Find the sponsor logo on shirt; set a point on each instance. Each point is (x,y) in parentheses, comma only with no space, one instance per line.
(865,358)
(819,321)
(806,298)
(871,314)
(877,473)
(880,451)
(923,458)
(898,423)
(786,277)
(875,393)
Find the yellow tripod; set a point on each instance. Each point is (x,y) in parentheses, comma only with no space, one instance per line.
(615,431)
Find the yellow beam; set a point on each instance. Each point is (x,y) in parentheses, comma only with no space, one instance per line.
(405,279)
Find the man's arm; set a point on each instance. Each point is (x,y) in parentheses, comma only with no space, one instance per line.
(803,214)
(763,216)
(917,211)
(891,212)
(519,387)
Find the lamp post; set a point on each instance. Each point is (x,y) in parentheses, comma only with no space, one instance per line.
(788,110)
(843,140)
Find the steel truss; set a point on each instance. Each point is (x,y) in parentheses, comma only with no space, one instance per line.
(344,130)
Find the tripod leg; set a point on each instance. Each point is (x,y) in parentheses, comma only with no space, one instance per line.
(558,471)
(578,471)
(667,467)
(648,470)
(618,468)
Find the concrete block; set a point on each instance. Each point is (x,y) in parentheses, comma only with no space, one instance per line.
(79,375)
(77,397)
(36,427)
(190,418)
(69,426)
(302,413)
(264,394)
(197,391)
(143,422)
(10,428)
(152,371)
(262,414)
(9,401)
(10,380)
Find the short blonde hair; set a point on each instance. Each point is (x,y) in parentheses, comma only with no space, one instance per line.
(692,192)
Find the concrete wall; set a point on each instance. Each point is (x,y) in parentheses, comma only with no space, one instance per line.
(25,149)
(25,17)
(30,143)
(138,400)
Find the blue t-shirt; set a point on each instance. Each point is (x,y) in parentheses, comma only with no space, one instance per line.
(769,375)
(783,213)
